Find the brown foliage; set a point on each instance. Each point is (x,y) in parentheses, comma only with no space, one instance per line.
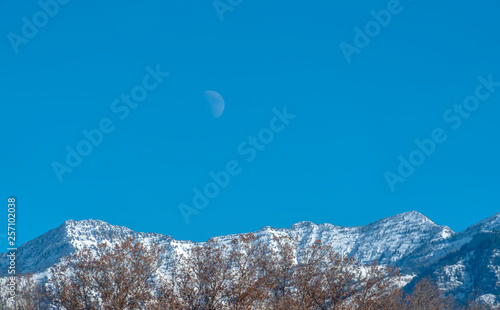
(426,296)
(252,275)
(28,294)
(113,277)
(214,276)
(246,274)
(326,280)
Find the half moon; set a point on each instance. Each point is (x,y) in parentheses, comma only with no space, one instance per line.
(215,102)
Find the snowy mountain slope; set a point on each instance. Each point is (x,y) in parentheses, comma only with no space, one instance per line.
(387,240)
(469,260)
(466,265)
(43,252)
(472,271)
(430,253)
(489,224)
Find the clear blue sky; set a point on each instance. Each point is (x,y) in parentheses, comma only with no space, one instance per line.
(352,120)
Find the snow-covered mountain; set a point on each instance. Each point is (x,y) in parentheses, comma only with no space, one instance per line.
(431,252)
(387,240)
(409,240)
(466,265)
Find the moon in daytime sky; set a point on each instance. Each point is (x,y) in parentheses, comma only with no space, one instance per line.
(215,102)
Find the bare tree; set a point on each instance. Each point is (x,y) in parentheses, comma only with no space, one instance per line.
(112,277)
(243,274)
(29,294)
(278,271)
(201,281)
(376,286)
(326,280)
(251,274)
(26,293)
(426,296)
(247,259)
(323,279)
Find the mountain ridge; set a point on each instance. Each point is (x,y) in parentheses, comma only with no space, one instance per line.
(409,240)
(72,235)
